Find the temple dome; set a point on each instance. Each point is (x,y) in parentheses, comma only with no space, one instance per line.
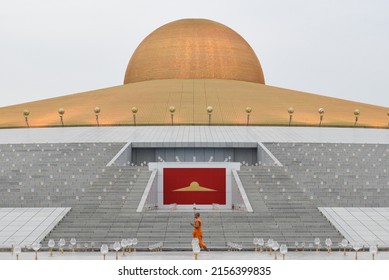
(194,49)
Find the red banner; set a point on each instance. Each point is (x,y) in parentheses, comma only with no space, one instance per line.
(194,185)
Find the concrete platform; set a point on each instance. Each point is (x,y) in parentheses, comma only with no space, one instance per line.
(225,255)
(25,226)
(362,225)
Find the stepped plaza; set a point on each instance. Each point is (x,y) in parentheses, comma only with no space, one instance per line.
(194,128)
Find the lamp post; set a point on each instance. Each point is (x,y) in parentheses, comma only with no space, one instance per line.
(317,243)
(321,113)
(116,247)
(373,251)
(328,244)
(283,250)
(248,111)
(209,111)
(134,243)
(290,111)
(172,109)
(255,242)
(134,110)
(344,245)
(51,245)
(104,250)
(275,247)
(261,242)
(97,111)
(17,251)
(73,243)
(61,244)
(296,245)
(26,113)
(86,245)
(129,244)
(356,248)
(36,247)
(123,243)
(269,245)
(388,115)
(356,114)
(61,111)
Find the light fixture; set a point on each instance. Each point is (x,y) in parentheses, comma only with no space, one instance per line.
(373,251)
(116,246)
(36,247)
(73,243)
(356,247)
(255,242)
(344,245)
(321,113)
(104,250)
(269,245)
(248,111)
(129,244)
(356,114)
(26,113)
(61,112)
(209,111)
(97,111)
(86,245)
(328,244)
(172,109)
(51,245)
(123,243)
(290,111)
(261,242)
(275,247)
(283,250)
(387,113)
(317,243)
(134,110)
(17,251)
(134,243)
(61,244)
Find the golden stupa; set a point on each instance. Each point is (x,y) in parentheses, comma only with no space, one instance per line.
(194,49)
(192,64)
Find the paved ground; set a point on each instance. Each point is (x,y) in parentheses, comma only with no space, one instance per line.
(203,255)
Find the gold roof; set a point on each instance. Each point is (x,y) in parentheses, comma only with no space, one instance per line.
(185,68)
(191,97)
(194,49)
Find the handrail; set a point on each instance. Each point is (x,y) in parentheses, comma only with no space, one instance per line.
(147,191)
(242,191)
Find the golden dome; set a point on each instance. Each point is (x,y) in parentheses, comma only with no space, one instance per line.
(194,49)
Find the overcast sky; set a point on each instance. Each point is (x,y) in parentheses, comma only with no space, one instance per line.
(337,48)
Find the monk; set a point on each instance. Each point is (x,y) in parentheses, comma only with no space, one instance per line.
(197,231)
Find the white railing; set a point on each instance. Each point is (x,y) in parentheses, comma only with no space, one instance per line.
(240,200)
(149,200)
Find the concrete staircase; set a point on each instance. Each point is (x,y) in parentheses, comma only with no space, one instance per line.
(106,210)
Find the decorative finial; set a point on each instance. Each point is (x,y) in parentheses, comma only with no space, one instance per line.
(290,111)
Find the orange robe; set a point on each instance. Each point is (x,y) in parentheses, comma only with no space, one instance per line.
(197,232)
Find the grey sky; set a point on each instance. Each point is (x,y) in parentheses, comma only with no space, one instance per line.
(337,48)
